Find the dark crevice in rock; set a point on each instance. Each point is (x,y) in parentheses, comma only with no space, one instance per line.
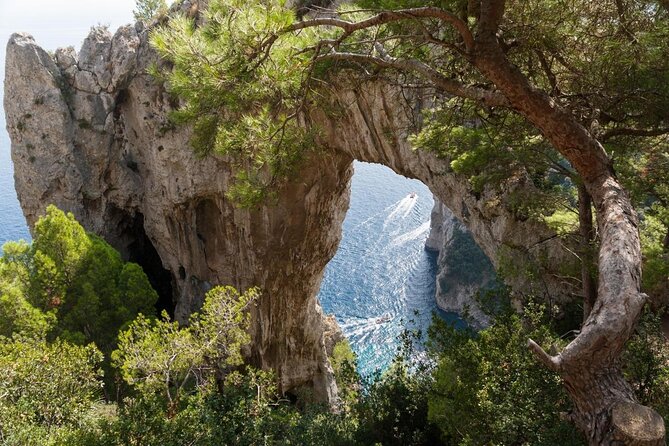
(121,98)
(142,252)
(135,246)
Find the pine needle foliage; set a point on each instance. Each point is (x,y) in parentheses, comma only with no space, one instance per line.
(244,101)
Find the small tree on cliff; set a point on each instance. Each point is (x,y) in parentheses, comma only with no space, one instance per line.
(569,75)
(71,284)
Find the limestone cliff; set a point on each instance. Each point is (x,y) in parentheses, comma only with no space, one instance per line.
(90,133)
(463,269)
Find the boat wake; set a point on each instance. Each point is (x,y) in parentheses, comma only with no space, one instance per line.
(411,235)
(402,209)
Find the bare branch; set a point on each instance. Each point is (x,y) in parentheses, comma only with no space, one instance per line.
(548,71)
(385,17)
(551,362)
(486,97)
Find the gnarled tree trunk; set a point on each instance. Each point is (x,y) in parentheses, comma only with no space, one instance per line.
(605,407)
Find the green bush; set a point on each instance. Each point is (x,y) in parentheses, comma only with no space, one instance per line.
(489,389)
(45,389)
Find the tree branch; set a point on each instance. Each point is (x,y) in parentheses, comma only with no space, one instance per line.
(551,362)
(385,17)
(486,97)
(547,70)
(629,131)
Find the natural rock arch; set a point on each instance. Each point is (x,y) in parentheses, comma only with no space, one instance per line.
(90,134)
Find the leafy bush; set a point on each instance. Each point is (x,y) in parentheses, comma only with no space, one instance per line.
(489,389)
(45,389)
(161,357)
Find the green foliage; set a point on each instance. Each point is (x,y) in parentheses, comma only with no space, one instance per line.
(242,101)
(45,388)
(488,389)
(646,361)
(147,10)
(17,315)
(343,361)
(70,283)
(394,407)
(191,389)
(563,222)
(468,388)
(156,357)
(654,232)
(160,357)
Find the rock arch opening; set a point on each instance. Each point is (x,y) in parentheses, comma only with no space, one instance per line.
(390,264)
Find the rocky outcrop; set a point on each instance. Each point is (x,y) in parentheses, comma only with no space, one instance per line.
(463,270)
(90,133)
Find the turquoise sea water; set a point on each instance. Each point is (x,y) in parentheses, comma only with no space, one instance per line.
(382,280)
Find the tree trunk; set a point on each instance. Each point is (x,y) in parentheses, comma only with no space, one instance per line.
(587,232)
(605,407)
(605,411)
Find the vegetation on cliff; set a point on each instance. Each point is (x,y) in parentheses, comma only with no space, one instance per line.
(530,90)
(188,385)
(570,97)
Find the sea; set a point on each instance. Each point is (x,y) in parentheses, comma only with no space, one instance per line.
(381,280)
(12,223)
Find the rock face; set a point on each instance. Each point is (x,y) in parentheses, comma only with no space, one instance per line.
(90,133)
(463,268)
(92,137)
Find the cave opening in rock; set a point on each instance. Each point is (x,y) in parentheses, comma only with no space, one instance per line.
(138,248)
(142,252)
(382,279)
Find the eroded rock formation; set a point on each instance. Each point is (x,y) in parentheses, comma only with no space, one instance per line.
(92,136)
(463,269)
(90,133)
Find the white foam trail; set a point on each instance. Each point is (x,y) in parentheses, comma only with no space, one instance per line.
(413,199)
(403,208)
(378,214)
(411,235)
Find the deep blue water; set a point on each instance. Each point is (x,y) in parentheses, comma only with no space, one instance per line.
(12,223)
(382,280)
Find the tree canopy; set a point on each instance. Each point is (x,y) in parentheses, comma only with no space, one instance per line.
(69,284)
(573,93)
